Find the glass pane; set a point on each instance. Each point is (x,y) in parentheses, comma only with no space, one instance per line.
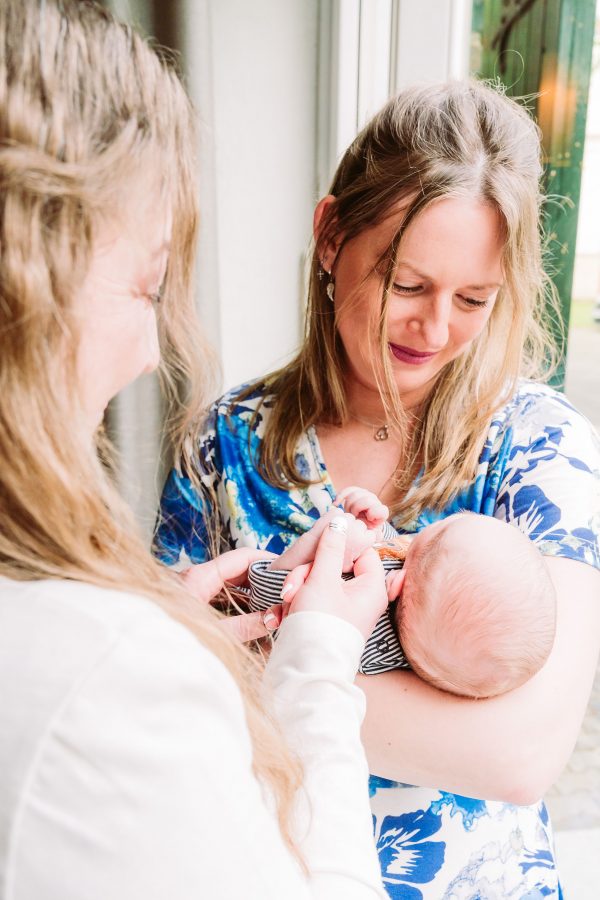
(583,358)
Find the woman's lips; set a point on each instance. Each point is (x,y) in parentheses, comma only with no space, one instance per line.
(410,356)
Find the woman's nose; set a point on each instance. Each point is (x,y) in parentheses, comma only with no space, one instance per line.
(433,323)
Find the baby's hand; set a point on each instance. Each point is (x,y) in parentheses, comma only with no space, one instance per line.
(364,505)
(302,551)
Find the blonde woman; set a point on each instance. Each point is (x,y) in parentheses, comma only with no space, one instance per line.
(420,379)
(137,760)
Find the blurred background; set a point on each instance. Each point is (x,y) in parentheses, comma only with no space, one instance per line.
(281,88)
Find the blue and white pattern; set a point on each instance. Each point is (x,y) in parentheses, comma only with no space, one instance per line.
(539,470)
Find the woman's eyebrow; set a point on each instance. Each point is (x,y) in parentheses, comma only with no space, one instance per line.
(403,264)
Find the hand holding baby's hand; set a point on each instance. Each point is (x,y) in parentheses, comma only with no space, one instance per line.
(359,601)
(302,552)
(205,581)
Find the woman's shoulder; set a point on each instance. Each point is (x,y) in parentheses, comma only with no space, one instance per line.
(240,409)
(539,411)
(245,399)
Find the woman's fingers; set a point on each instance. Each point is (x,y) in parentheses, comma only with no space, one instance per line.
(251,626)
(204,581)
(330,551)
(359,601)
(292,584)
(366,592)
(368,574)
(394,582)
(303,549)
(200,580)
(368,563)
(233,565)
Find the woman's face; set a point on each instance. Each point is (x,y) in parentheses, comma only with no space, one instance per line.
(118,335)
(444,288)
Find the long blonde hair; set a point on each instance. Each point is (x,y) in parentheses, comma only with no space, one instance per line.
(431,142)
(85,106)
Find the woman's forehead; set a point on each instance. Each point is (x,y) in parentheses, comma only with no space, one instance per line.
(450,233)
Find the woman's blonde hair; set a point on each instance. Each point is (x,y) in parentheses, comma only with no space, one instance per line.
(87,109)
(456,139)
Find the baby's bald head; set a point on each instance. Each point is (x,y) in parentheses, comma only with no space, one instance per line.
(478,609)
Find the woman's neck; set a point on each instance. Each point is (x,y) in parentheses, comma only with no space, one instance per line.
(365,403)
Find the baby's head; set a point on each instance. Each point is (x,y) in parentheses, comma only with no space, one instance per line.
(477,613)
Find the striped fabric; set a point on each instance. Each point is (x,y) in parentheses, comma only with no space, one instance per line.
(382,651)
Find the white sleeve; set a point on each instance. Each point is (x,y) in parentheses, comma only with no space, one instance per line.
(143,789)
(311,673)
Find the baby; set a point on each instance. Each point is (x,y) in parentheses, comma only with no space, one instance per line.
(476,607)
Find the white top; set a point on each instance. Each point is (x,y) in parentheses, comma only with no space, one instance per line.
(126,765)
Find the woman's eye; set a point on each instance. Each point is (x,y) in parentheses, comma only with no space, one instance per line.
(406,289)
(473,302)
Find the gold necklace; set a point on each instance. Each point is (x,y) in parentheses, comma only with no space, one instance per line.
(380,432)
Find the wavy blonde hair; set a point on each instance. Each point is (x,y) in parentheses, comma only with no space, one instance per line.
(431,142)
(86,105)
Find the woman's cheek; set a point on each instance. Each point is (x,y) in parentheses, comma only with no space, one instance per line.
(151,348)
(135,347)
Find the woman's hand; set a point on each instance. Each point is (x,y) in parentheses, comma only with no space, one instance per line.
(302,551)
(206,580)
(320,587)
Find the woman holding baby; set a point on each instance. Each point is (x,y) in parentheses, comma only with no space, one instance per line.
(145,754)
(420,379)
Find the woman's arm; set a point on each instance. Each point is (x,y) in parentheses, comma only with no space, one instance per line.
(510,747)
(320,710)
(143,786)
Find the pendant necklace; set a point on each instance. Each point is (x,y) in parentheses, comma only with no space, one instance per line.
(380,432)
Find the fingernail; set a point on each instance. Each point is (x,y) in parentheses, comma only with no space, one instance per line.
(285,590)
(270,621)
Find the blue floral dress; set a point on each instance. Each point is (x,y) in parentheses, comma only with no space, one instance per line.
(539,469)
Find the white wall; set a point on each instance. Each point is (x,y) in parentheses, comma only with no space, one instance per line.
(259,144)
(433,39)
(252,73)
